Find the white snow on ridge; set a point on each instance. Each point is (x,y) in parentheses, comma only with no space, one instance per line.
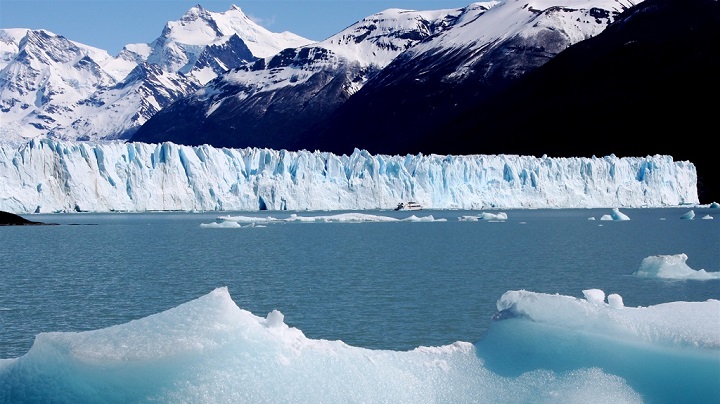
(379,38)
(193,30)
(487,23)
(53,176)
(183,40)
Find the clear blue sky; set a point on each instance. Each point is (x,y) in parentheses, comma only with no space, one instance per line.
(110,24)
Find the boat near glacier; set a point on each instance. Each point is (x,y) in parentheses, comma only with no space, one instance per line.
(408,206)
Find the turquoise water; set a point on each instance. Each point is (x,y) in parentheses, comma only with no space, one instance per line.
(395,285)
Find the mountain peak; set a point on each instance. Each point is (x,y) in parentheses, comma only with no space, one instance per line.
(194,12)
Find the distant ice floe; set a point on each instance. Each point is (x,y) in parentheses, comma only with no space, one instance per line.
(615,215)
(484,216)
(672,267)
(691,215)
(234,221)
(221,225)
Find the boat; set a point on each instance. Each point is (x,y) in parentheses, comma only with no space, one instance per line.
(408,206)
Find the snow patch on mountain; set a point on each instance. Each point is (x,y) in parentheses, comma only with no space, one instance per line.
(379,38)
(548,26)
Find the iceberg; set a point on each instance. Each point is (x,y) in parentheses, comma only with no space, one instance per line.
(615,215)
(45,176)
(540,348)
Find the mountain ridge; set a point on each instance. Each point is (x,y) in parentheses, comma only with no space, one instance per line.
(78,92)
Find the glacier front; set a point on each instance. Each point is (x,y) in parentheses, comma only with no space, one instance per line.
(44,176)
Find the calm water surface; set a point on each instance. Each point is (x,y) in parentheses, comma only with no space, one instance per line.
(376,285)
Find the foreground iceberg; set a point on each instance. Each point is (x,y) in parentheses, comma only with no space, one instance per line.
(52,176)
(542,348)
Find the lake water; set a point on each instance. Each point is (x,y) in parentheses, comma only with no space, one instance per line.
(379,285)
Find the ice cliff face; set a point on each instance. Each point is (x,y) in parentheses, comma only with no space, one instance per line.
(53,176)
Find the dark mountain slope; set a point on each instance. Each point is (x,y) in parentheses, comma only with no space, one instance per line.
(421,91)
(265,119)
(646,85)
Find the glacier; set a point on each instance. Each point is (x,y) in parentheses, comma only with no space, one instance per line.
(46,175)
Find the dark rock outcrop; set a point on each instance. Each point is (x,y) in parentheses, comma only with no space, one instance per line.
(11,219)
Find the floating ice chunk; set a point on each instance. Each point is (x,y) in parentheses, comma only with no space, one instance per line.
(484,216)
(247,219)
(221,225)
(591,218)
(707,217)
(594,296)
(429,218)
(617,215)
(468,218)
(715,205)
(689,215)
(672,267)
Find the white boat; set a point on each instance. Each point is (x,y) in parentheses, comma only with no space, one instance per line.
(408,206)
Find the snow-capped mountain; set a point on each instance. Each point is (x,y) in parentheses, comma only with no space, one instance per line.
(383,67)
(268,102)
(43,76)
(48,176)
(54,87)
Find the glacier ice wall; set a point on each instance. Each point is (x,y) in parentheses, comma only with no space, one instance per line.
(54,176)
